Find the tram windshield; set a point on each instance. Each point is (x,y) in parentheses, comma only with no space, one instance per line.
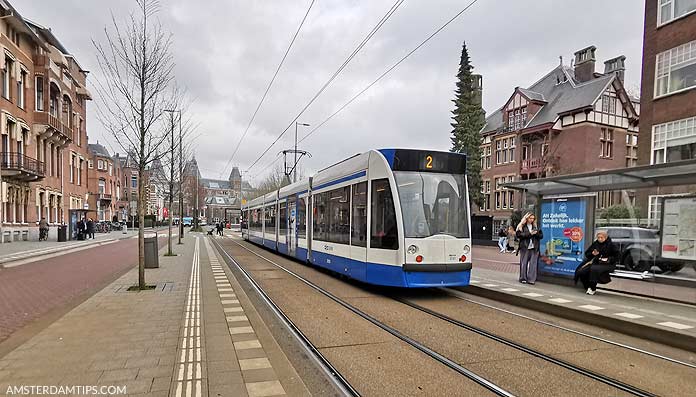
(433,204)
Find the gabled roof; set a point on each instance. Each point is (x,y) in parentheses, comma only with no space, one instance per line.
(216,183)
(561,92)
(235,174)
(221,200)
(98,150)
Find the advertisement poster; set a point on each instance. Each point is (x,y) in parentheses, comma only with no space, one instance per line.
(679,228)
(563,223)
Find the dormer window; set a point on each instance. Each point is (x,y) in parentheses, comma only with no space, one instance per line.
(517,118)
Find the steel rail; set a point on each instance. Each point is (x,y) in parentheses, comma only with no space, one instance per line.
(590,374)
(412,342)
(338,380)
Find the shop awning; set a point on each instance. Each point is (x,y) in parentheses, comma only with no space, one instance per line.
(647,176)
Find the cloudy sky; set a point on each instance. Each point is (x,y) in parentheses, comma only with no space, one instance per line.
(227,50)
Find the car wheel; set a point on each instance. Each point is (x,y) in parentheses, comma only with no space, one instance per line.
(632,262)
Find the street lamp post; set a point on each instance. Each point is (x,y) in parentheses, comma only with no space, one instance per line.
(295,163)
(181,176)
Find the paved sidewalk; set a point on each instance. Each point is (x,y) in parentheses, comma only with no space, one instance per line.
(196,334)
(115,338)
(663,321)
(21,252)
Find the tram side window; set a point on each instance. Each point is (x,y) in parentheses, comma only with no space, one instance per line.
(359,227)
(270,219)
(321,214)
(339,219)
(383,228)
(283,219)
(301,218)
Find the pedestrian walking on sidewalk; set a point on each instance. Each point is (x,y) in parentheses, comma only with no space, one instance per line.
(43,230)
(512,243)
(529,236)
(502,238)
(90,228)
(600,260)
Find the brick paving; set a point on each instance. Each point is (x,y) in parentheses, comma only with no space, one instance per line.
(29,291)
(116,337)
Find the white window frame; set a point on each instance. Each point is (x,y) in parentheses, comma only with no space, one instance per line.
(672,18)
(663,133)
(680,56)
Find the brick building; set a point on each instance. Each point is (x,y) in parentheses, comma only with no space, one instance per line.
(218,199)
(43,126)
(668,91)
(104,182)
(574,119)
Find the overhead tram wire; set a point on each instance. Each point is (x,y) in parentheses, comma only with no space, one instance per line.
(357,49)
(386,72)
(268,88)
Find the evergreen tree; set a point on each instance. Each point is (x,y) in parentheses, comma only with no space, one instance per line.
(468,119)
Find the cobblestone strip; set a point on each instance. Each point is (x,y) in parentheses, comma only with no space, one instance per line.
(250,354)
(189,372)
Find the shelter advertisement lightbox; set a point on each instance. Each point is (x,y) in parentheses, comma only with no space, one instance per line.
(679,228)
(564,224)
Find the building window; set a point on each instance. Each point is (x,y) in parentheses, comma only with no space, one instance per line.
(102,186)
(670,10)
(21,85)
(7,78)
(517,118)
(674,141)
(608,104)
(134,182)
(100,164)
(631,150)
(39,93)
(505,150)
(511,149)
(606,140)
(676,69)
(497,151)
(90,164)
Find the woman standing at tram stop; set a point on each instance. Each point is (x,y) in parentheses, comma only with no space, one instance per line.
(529,236)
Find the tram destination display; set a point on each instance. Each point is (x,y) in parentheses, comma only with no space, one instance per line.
(679,228)
(427,161)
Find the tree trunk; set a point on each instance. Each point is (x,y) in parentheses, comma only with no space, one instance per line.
(141,227)
(169,213)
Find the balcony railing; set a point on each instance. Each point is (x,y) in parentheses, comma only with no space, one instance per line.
(24,166)
(104,197)
(531,164)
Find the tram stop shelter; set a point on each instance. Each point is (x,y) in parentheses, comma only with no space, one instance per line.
(565,205)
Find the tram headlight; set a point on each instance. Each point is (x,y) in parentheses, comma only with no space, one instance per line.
(467,249)
(412,249)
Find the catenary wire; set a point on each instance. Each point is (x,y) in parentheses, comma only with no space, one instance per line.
(386,72)
(367,38)
(268,88)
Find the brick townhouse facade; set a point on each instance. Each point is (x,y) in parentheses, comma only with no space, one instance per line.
(668,93)
(105,183)
(218,199)
(574,119)
(43,126)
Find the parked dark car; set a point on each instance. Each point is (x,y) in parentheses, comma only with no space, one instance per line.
(640,249)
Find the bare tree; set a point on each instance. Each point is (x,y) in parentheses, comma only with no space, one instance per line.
(136,72)
(275,180)
(178,145)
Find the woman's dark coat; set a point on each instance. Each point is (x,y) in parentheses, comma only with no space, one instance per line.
(524,236)
(599,269)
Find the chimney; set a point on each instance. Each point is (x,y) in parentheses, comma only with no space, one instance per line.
(477,85)
(585,64)
(616,65)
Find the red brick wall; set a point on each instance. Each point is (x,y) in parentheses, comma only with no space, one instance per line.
(673,107)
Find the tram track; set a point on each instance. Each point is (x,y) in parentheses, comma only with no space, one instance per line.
(449,362)
(410,341)
(590,374)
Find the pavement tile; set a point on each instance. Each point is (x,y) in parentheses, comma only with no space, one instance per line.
(254,363)
(119,375)
(142,362)
(161,384)
(262,389)
(231,390)
(231,364)
(251,353)
(224,377)
(138,386)
(259,375)
(156,372)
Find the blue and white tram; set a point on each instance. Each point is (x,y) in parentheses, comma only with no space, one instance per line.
(393,217)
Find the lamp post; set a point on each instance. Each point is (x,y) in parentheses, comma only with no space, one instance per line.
(181,175)
(295,163)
